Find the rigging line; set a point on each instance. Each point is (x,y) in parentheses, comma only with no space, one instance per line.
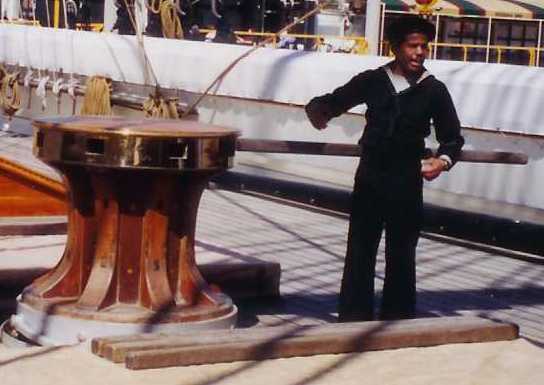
(140,37)
(153,5)
(47,13)
(34,14)
(263,43)
(178,7)
(65,14)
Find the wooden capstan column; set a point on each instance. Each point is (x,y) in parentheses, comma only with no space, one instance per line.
(129,263)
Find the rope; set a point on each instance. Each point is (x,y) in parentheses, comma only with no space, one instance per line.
(153,5)
(140,37)
(170,21)
(148,103)
(47,13)
(65,14)
(41,91)
(249,52)
(157,107)
(97,97)
(10,97)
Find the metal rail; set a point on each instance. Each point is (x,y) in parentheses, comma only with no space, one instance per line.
(360,45)
(534,57)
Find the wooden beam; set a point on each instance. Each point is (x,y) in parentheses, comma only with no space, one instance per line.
(102,346)
(343,149)
(116,348)
(296,147)
(216,346)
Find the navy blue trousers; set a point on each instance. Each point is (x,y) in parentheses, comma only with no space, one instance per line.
(385,196)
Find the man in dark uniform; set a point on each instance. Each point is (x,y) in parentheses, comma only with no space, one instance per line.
(123,24)
(402,98)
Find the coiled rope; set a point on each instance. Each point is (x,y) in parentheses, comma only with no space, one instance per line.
(170,21)
(157,107)
(10,96)
(97,100)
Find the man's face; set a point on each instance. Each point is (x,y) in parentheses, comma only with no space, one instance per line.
(411,53)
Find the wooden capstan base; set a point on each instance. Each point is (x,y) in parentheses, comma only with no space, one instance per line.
(134,189)
(130,251)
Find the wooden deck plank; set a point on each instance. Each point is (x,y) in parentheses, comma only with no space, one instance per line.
(117,349)
(265,343)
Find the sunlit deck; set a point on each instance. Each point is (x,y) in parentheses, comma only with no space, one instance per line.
(309,245)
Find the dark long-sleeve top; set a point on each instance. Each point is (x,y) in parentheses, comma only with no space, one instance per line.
(398,122)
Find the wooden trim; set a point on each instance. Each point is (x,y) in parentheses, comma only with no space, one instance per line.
(33,179)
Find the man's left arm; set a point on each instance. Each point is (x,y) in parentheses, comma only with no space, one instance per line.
(448,134)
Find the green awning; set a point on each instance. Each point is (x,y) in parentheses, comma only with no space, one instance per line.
(528,9)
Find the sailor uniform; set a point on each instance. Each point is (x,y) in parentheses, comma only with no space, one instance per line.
(388,183)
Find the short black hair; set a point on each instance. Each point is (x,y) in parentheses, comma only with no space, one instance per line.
(407,24)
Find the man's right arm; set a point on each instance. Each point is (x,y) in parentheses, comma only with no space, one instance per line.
(323,108)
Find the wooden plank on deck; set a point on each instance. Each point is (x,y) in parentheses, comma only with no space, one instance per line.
(281,342)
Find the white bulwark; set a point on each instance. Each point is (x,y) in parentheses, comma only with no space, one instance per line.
(500,105)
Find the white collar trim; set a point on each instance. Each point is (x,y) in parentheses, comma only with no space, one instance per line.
(400,83)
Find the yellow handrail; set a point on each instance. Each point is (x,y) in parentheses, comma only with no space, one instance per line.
(532,57)
(34,23)
(95,27)
(56,13)
(532,51)
(360,45)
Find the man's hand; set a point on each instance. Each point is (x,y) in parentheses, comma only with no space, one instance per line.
(431,168)
(317,116)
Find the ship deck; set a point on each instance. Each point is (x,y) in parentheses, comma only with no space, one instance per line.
(455,277)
